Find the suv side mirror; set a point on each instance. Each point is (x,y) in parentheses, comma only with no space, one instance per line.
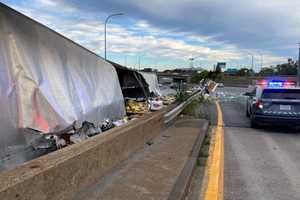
(248,94)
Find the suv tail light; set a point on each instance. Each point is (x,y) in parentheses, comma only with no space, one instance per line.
(259,104)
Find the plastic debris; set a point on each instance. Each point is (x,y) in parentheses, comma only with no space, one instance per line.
(89,129)
(156,104)
(37,140)
(59,142)
(106,125)
(86,130)
(78,137)
(43,143)
(120,122)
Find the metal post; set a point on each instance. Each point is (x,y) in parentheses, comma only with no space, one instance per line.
(125,60)
(252,65)
(105,38)
(298,68)
(252,59)
(191,62)
(262,61)
(105,23)
(140,62)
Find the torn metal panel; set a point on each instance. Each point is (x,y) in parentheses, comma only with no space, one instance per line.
(47,81)
(152,81)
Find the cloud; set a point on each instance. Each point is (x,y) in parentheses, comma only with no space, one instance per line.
(48,2)
(253,24)
(54,5)
(175,34)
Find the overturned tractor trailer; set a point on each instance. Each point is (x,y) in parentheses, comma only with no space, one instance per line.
(48,81)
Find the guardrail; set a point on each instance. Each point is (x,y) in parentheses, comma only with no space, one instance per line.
(169,116)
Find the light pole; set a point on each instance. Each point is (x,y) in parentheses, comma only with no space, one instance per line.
(191,61)
(125,61)
(252,60)
(106,20)
(139,62)
(261,61)
(139,59)
(298,68)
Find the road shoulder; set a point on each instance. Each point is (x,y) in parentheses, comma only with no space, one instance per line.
(160,169)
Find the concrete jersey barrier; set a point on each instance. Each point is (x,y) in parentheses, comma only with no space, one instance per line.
(64,173)
(61,174)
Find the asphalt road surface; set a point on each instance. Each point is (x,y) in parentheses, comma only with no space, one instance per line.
(259,163)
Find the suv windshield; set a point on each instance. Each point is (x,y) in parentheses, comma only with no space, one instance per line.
(281,94)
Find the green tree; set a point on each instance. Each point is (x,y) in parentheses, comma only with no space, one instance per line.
(244,72)
(198,77)
(286,69)
(267,71)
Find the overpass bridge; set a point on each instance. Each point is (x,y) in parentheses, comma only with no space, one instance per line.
(174,77)
(233,81)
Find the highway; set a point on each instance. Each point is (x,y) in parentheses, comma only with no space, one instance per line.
(259,163)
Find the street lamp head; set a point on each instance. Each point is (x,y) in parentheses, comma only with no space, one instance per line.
(112,15)
(118,14)
(115,14)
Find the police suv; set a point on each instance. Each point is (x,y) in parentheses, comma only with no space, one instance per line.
(274,102)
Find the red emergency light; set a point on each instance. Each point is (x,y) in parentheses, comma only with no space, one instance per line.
(276,83)
(262,83)
(289,83)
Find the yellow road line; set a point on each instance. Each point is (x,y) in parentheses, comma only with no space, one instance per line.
(215,185)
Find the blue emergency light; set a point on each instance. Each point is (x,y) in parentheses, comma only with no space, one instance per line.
(276,83)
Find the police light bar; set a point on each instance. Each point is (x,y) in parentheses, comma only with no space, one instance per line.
(276,83)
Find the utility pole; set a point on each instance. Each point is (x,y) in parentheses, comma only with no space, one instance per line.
(298,68)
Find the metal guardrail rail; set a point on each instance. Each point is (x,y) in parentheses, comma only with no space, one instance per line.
(169,116)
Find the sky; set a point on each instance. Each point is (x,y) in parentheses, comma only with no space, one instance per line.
(165,34)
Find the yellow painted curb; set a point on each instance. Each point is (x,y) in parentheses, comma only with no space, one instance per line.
(215,185)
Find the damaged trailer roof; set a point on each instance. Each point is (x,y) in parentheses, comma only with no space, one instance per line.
(132,82)
(47,81)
